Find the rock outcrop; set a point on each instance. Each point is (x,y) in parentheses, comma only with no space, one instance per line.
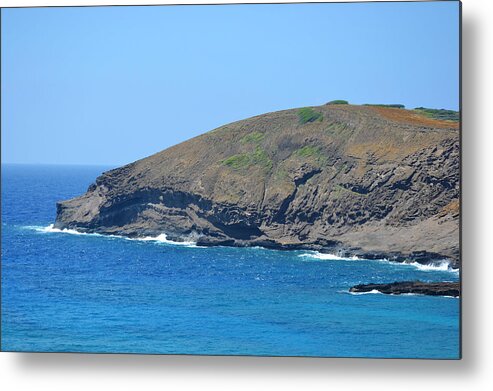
(411,287)
(357,180)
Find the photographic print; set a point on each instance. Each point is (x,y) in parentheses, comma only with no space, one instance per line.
(239,179)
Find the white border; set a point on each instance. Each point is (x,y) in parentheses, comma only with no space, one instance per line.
(474,372)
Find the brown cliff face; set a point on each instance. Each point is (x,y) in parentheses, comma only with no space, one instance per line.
(368,181)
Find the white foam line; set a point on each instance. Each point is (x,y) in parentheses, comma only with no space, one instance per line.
(375,291)
(328,257)
(372,292)
(162,238)
(435,266)
(442,266)
(51,229)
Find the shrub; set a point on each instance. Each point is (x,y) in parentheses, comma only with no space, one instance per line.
(338,102)
(307,114)
(440,114)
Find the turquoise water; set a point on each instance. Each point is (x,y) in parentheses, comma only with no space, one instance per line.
(87,293)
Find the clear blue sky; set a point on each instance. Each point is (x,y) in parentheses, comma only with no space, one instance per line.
(111,85)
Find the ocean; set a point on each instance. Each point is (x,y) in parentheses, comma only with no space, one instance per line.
(68,292)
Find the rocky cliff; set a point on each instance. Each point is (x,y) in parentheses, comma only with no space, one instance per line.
(411,287)
(361,180)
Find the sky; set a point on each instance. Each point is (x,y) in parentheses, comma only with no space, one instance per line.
(111,85)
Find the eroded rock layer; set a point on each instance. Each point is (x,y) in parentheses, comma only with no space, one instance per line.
(411,287)
(367,181)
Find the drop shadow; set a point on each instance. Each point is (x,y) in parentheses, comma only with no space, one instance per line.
(470,186)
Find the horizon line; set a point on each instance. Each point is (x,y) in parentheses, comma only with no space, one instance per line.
(63,164)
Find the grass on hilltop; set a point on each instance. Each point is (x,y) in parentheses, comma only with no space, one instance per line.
(440,114)
(338,102)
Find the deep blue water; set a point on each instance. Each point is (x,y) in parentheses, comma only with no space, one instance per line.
(86,293)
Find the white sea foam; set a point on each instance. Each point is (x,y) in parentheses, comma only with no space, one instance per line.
(162,238)
(376,291)
(51,229)
(443,265)
(328,257)
(372,292)
(433,267)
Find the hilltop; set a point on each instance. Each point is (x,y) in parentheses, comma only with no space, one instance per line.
(364,180)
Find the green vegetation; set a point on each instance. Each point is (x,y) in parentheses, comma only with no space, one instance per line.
(245,160)
(394,105)
(338,102)
(237,162)
(312,152)
(261,158)
(308,151)
(307,114)
(254,137)
(440,114)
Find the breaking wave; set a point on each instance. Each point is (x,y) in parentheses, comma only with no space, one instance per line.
(51,229)
(434,266)
(162,238)
(328,257)
(372,292)
(443,265)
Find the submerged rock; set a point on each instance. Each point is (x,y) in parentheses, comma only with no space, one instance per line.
(358,180)
(414,287)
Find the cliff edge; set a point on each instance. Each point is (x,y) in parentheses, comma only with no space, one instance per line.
(360,180)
